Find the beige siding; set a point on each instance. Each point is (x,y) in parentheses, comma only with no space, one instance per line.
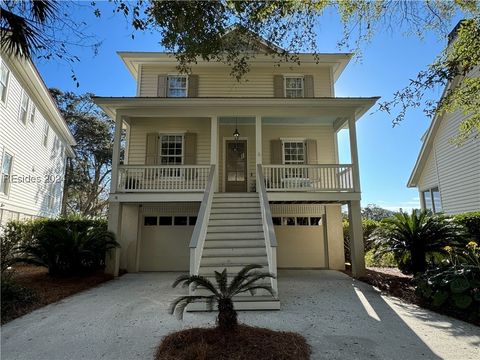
(323,134)
(140,127)
(31,159)
(217,82)
(458,168)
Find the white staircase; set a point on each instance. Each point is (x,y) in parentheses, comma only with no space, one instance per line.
(235,238)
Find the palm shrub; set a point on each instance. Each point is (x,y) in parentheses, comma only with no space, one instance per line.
(66,249)
(411,238)
(246,280)
(471,223)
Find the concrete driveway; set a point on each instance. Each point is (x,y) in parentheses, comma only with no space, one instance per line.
(341,318)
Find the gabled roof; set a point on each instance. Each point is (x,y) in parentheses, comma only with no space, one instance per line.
(241,31)
(27,73)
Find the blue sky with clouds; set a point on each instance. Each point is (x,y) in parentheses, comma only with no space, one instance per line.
(386,154)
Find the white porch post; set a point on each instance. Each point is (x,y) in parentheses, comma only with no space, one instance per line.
(112,258)
(258,140)
(354,153)
(214,149)
(357,250)
(116,152)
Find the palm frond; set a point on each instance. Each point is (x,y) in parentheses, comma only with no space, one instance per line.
(252,289)
(196,281)
(240,277)
(178,306)
(222,279)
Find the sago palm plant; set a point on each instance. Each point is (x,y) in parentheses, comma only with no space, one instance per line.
(412,237)
(246,280)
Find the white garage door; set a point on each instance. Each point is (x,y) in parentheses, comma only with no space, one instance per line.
(165,242)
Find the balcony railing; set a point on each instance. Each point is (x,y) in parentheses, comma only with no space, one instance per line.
(315,178)
(153,178)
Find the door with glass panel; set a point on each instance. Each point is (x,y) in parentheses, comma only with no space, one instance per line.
(236,166)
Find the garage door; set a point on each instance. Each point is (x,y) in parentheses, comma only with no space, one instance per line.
(301,242)
(165,242)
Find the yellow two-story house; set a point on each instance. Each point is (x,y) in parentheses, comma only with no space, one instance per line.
(218,173)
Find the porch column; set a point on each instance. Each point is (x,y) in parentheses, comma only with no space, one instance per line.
(352,131)
(214,148)
(357,250)
(116,152)
(112,258)
(258,140)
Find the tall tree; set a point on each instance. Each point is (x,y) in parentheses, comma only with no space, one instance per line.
(88,173)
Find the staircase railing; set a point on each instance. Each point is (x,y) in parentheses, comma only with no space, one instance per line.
(199,232)
(268,230)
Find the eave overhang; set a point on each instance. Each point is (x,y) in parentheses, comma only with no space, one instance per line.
(346,107)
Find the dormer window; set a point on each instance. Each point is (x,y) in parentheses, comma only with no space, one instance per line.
(177,86)
(293,86)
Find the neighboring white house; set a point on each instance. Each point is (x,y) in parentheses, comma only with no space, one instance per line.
(220,173)
(34,144)
(448,176)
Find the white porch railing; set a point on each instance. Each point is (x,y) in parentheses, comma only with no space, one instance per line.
(153,178)
(200,231)
(315,178)
(268,230)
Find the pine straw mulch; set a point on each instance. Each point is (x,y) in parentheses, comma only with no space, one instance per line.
(46,289)
(244,343)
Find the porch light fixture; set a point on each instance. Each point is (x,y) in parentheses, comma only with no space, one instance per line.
(236,135)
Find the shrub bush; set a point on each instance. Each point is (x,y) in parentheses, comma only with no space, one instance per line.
(455,284)
(66,246)
(384,260)
(471,223)
(368,227)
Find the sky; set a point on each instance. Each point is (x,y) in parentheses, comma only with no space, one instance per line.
(386,154)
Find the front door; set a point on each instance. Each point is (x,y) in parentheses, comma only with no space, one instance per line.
(236,166)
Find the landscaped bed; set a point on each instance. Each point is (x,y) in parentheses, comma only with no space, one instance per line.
(41,289)
(243,343)
(393,282)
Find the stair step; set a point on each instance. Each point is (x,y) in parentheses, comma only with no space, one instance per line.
(235,216)
(235,210)
(234,260)
(234,251)
(235,222)
(235,195)
(235,205)
(234,235)
(234,229)
(231,268)
(246,295)
(226,244)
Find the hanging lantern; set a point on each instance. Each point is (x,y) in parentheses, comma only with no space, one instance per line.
(236,135)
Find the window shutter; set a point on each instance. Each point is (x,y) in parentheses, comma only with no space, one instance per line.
(308,83)
(276,154)
(193,86)
(278,86)
(162,86)
(151,152)
(190,149)
(312,152)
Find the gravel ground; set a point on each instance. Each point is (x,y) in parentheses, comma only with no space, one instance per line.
(340,317)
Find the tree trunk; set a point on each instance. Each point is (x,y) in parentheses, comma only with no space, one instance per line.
(227,316)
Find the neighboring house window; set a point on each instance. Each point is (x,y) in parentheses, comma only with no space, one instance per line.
(51,196)
(6,172)
(293,86)
(46,130)
(171,149)
(432,200)
(33,110)
(24,107)
(293,152)
(4,75)
(177,86)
